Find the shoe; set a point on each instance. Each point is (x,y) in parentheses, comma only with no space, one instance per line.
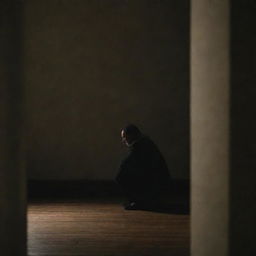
(131,206)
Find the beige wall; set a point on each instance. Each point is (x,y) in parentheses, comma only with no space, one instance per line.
(210,128)
(93,66)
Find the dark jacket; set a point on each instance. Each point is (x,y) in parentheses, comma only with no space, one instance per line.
(144,170)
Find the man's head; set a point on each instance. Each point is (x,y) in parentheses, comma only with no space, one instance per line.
(130,134)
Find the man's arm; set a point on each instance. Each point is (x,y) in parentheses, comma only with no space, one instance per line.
(127,169)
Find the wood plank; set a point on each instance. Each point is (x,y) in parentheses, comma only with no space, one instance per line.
(103,227)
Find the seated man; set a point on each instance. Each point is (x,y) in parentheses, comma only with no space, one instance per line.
(143,174)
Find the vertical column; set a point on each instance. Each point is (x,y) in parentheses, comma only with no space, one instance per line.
(209,127)
(243,129)
(12,171)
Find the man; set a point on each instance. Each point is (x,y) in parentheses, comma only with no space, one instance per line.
(143,174)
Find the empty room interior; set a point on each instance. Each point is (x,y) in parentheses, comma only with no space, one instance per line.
(74,74)
(92,67)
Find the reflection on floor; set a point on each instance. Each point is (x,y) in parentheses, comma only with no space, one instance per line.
(104,228)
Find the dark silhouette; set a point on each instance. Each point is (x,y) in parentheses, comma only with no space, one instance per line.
(143,174)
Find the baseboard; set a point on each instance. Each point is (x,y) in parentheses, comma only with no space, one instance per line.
(88,188)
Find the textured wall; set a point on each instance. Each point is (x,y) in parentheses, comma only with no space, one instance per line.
(91,66)
(210,127)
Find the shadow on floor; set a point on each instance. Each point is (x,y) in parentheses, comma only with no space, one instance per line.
(180,209)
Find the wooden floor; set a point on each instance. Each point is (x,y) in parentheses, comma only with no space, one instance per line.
(104,228)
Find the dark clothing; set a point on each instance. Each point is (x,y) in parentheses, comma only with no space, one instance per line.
(143,174)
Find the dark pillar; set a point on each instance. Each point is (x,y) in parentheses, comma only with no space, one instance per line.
(243,128)
(12,171)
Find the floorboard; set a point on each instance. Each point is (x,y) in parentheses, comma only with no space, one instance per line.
(103,228)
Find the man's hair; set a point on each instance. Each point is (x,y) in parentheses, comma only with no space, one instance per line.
(132,130)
